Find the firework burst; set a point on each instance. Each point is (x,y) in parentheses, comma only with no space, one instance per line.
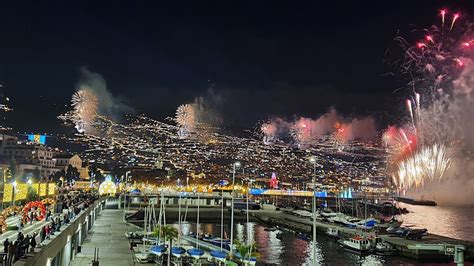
(85,104)
(419,150)
(428,164)
(186,119)
(439,55)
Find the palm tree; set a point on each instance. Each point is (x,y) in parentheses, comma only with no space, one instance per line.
(167,232)
(246,251)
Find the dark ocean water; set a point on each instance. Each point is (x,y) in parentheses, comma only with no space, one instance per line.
(457,222)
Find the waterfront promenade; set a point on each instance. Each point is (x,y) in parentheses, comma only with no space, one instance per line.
(107,234)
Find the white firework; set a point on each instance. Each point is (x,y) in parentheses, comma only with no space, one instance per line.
(428,164)
(186,119)
(85,104)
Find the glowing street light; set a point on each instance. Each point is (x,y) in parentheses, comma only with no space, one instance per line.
(313,161)
(235,166)
(13,192)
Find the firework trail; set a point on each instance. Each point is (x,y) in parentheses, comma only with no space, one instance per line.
(443,14)
(85,104)
(439,132)
(434,62)
(186,120)
(455,17)
(410,110)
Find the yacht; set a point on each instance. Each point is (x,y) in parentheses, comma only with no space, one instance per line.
(357,244)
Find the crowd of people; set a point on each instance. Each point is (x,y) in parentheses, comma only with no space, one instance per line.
(19,248)
(67,207)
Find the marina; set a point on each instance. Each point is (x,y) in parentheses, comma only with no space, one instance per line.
(237,133)
(422,246)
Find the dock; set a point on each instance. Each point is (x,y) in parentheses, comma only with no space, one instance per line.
(432,247)
(203,245)
(108,235)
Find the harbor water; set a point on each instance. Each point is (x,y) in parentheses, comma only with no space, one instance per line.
(291,250)
(453,222)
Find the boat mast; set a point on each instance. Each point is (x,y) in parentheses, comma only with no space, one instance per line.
(179,219)
(197,223)
(236,164)
(222,214)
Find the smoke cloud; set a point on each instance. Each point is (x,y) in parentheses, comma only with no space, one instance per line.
(305,130)
(448,120)
(108,104)
(207,108)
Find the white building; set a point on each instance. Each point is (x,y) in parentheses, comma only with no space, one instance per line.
(62,161)
(29,156)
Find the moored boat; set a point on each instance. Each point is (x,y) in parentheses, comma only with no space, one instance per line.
(178,251)
(332,231)
(358,244)
(195,253)
(219,255)
(384,248)
(158,250)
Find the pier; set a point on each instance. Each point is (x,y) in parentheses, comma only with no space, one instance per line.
(108,235)
(432,247)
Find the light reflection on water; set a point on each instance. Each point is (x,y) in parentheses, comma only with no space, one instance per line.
(450,221)
(456,222)
(292,250)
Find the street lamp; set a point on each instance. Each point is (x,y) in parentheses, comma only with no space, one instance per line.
(3,181)
(13,192)
(235,166)
(313,161)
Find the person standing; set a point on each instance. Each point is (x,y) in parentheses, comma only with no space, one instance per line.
(17,251)
(43,234)
(5,249)
(33,243)
(26,245)
(11,253)
(5,245)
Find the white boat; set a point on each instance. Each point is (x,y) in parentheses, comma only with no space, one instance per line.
(368,223)
(384,248)
(340,218)
(357,244)
(332,231)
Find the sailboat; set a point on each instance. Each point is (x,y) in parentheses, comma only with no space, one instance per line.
(248,259)
(160,248)
(220,255)
(149,224)
(196,253)
(178,251)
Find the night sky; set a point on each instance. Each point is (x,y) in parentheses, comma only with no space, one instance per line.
(262,58)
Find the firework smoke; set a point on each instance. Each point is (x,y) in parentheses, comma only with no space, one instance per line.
(306,131)
(433,153)
(200,118)
(91,101)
